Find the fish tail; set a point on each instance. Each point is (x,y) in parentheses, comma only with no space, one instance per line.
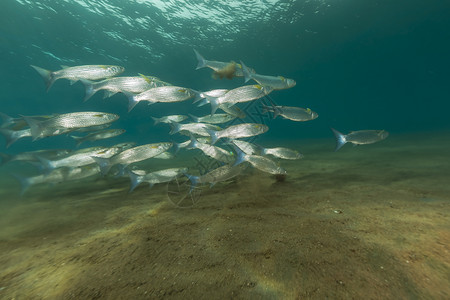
(25,183)
(90,90)
(197,96)
(5,158)
(240,156)
(47,75)
(9,136)
(214,104)
(202,102)
(340,139)
(131,100)
(104,164)
(78,139)
(156,120)
(108,94)
(6,120)
(194,143)
(266,109)
(213,134)
(122,170)
(174,127)
(35,127)
(46,165)
(246,71)
(196,119)
(194,181)
(135,180)
(201,60)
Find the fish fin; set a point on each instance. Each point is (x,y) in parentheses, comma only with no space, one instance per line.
(90,91)
(104,164)
(78,139)
(174,127)
(156,120)
(9,136)
(64,66)
(214,104)
(35,127)
(6,120)
(25,183)
(340,139)
(197,96)
(73,81)
(46,165)
(202,102)
(135,180)
(193,144)
(194,181)
(196,119)
(247,74)
(201,60)
(131,100)
(5,158)
(47,75)
(265,109)
(240,156)
(213,134)
(108,94)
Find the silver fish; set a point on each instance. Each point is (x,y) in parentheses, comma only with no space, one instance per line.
(233,110)
(62,123)
(284,153)
(215,152)
(32,155)
(260,162)
(152,178)
(131,155)
(98,135)
(238,131)
(134,84)
(361,137)
(161,94)
(90,72)
(213,119)
(11,136)
(58,176)
(170,119)
(216,65)
(223,173)
(238,95)
(275,82)
(93,128)
(292,113)
(246,147)
(194,128)
(79,159)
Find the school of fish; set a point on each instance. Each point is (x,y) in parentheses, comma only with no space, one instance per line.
(215,135)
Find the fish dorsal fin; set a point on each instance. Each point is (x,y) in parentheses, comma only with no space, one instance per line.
(64,66)
(149,79)
(308,110)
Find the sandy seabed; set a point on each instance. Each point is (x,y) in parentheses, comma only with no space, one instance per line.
(369,222)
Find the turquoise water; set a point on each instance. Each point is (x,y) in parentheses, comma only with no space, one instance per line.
(380,65)
(360,66)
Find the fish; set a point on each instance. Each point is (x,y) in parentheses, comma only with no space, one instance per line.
(166,94)
(77,159)
(152,178)
(260,162)
(238,131)
(233,110)
(131,155)
(238,95)
(31,156)
(164,155)
(215,152)
(169,119)
(178,146)
(360,137)
(98,135)
(291,112)
(281,152)
(93,128)
(89,72)
(223,173)
(11,136)
(274,82)
(131,84)
(194,128)
(66,122)
(221,69)
(213,119)
(57,176)
(247,148)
